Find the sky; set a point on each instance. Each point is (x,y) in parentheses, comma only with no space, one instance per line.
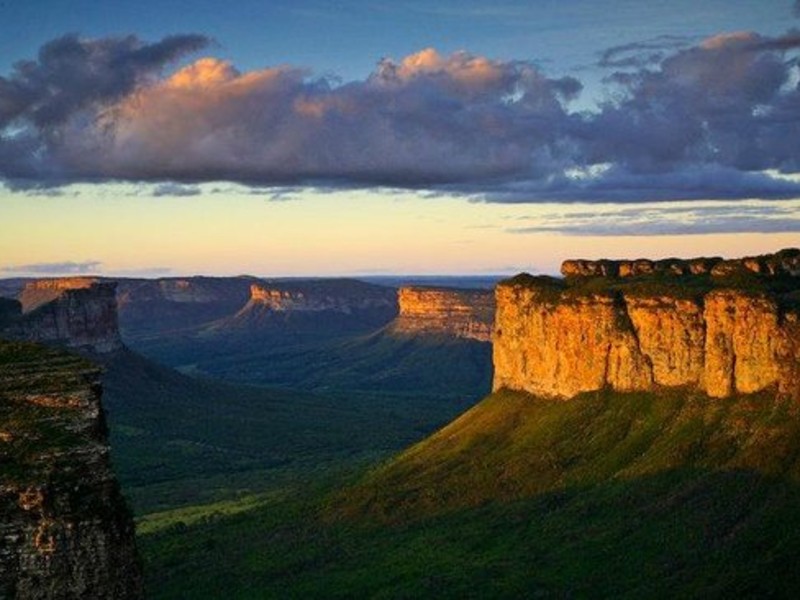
(366,137)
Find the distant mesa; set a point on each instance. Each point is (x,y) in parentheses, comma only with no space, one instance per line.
(454,312)
(74,313)
(309,306)
(641,328)
(41,291)
(324,295)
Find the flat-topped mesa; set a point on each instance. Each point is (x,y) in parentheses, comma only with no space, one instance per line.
(65,531)
(785,262)
(556,338)
(83,317)
(315,296)
(39,292)
(455,312)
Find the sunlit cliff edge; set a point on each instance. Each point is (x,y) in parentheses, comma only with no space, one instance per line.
(718,326)
(74,313)
(459,313)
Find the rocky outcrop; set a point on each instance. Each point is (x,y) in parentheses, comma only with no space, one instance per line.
(41,291)
(785,262)
(65,531)
(79,316)
(448,311)
(159,306)
(323,295)
(556,340)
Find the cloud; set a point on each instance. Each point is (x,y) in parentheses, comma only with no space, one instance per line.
(641,54)
(718,119)
(58,268)
(660,219)
(176,190)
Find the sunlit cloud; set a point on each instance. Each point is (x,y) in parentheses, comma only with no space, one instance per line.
(716,120)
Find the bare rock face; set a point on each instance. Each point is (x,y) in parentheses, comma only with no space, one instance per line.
(39,292)
(65,531)
(785,262)
(342,296)
(78,316)
(459,313)
(554,340)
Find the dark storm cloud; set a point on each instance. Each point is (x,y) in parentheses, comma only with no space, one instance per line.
(71,74)
(711,120)
(641,54)
(175,190)
(59,268)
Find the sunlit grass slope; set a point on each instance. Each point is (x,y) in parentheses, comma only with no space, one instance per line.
(513,446)
(608,495)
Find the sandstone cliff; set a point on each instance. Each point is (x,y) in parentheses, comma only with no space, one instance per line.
(453,312)
(313,307)
(65,531)
(77,316)
(41,291)
(158,306)
(785,262)
(642,330)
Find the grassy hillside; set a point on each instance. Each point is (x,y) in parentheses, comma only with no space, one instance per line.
(178,440)
(513,446)
(608,495)
(425,366)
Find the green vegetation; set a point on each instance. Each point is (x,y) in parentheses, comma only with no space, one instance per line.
(179,441)
(608,495)
(784,288)
(439,368)
(35,422)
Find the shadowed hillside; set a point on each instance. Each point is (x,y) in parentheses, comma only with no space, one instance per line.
(610,495)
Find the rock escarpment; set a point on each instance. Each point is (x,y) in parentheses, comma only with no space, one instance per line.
(83,317)
(785,262)
(41,291)
(312,306)
(344,296)
(640,331)
(65,531)
(453,312)
(157,306)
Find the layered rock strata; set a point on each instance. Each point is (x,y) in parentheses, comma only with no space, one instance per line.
(785,262)
(83,317)
(459,313)
(65,531)
(557,341)
(337,296)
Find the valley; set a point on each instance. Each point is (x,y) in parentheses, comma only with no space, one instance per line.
(327,438)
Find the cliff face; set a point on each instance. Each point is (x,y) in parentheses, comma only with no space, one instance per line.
(83,318)
(558,341)
(148,307)
(785,262)
(39,292)
(320,296)
(459,313)
(65,531)
(312,306)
